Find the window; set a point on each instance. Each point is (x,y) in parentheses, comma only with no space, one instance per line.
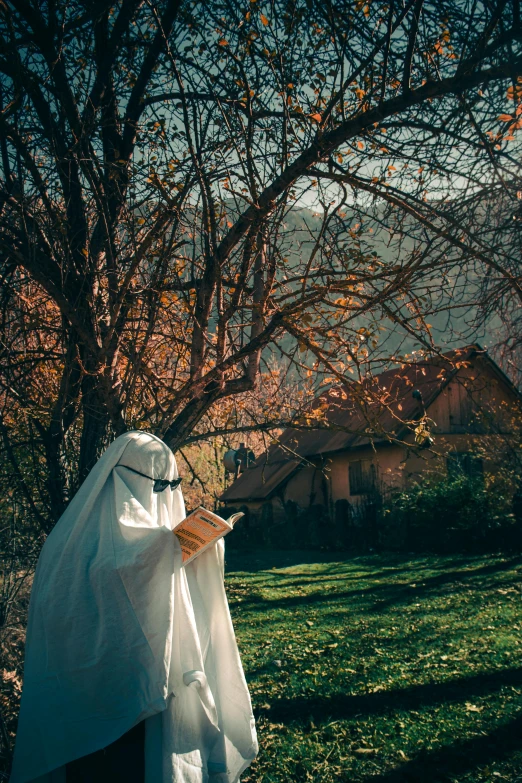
(462,412)
(361,475)
(464,463)
(466,407)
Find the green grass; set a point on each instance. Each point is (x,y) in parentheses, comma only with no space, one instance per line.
(381,668)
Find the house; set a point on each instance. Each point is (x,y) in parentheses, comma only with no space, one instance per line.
(365,440)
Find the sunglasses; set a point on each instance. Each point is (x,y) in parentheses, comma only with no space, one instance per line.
(159,484)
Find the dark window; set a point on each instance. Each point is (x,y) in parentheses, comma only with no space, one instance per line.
(464,463)
(466,407)
(461,409)
(361,475)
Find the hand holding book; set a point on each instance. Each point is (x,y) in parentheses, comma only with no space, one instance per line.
(200,529)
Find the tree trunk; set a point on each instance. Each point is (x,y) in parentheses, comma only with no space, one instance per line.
(96,425)
(56,481)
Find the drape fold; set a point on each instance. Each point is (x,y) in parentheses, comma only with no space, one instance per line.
(119,632)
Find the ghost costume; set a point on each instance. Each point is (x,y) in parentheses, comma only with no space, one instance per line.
(119,632)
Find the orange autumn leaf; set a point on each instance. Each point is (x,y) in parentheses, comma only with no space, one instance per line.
(505,117)
(317,117)
(264,20)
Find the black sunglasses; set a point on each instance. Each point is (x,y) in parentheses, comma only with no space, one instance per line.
(159,484)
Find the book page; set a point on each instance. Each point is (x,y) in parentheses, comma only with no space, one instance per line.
(198,531)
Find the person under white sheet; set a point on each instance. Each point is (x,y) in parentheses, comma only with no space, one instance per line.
(122,638)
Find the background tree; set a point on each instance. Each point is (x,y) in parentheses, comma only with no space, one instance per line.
(157,159)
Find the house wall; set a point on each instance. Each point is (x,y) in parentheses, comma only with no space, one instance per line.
(307,487)
(387,460)
(457,429)
(421,463)
(473,413)
(475,389)
(464,406)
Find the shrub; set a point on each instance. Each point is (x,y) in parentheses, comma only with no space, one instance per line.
(459,513)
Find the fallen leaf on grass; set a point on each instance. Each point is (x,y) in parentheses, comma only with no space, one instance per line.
(473,707)
(366,750)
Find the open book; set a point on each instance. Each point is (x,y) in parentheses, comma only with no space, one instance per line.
(200,530)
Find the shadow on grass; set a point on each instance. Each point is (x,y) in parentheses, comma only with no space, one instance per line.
(273,561)
(253,561)
(443,579)
(451,761)
(344,707)
(335,573)
(393,594)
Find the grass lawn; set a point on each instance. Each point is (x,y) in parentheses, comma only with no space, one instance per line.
(381,668)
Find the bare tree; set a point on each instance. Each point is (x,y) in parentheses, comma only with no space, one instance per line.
(186,186)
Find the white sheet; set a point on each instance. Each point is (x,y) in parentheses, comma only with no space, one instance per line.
(119,632)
